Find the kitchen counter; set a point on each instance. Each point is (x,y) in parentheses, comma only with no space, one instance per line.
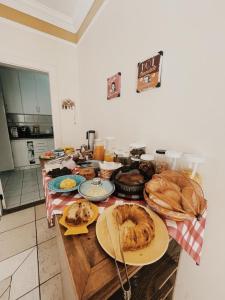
(89,273)
(40,136)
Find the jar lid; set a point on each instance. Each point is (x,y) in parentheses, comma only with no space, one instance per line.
(173,154)
(121,153)
(160,151)
(137,146)
(147,157)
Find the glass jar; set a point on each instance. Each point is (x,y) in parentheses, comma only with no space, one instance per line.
(136,150)
(99,150)
(190,166)
(173,158)
(109,149)
(147,164)
(122,157)
(161,163)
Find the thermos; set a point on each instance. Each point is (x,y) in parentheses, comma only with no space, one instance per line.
(90,136)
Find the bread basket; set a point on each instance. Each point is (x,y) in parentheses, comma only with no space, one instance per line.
(175,196)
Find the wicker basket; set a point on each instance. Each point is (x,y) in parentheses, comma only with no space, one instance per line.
(106,174)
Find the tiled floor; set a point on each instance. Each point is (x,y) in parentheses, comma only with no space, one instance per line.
(29,266)
(22,186)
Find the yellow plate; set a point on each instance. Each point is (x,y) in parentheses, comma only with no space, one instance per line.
(153,252)
(77,229)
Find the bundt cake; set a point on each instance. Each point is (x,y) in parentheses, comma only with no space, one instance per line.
(136,226)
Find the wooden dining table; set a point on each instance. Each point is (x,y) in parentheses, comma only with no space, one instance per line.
(89,273)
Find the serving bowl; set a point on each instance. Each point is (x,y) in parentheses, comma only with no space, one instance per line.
(125,188)
(85,187)
(54,185)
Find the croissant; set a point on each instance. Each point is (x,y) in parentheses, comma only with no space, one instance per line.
(175,196)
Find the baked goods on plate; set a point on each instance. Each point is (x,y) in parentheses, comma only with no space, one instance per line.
(79,213)
(136,226)
(77,216)
(134,229)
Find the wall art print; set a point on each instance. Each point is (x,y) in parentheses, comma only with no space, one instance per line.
(149,73)
(114,86)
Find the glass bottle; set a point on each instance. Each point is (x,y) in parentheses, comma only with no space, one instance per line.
(109,149)
(99,150)
(161,163)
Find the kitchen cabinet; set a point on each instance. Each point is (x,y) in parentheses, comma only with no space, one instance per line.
(43,94)
(41,146)
(11,90)
(28,92)
(20,150)
(20,153)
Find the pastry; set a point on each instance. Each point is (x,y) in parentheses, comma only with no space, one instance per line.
(175,196)
(79,213)
(136,226)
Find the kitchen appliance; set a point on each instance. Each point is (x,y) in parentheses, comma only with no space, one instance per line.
(36,129)
(24,131)
(13,130)
(90,136)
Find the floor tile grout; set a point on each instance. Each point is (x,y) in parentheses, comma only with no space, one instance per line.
(37,255)
(29,292)
(18,253)
(46,240)
(50,278)
(17,227)
(35,179)
(37,244)
(21,189)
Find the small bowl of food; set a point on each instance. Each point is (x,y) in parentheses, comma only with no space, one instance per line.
(66,183)
(129,180)
(96,190)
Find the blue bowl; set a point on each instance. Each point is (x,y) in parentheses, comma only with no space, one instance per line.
(54,185)
(106,184)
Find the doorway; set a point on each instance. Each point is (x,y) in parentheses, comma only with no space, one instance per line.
(27,133)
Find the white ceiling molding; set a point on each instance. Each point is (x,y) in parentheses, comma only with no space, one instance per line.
(66,14)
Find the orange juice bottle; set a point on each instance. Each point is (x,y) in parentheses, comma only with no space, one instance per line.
(99,150)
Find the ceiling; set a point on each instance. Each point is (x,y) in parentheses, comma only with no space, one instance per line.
(69,16)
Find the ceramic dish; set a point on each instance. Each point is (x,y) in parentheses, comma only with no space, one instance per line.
(54,185)
(150,254)
(125,188)
(77,229)
(85,187)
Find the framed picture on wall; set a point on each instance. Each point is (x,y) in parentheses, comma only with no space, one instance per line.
(149,73)
(114,86)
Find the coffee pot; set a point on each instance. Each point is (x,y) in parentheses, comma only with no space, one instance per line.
(90,136)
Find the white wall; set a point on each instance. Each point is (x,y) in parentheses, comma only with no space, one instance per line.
(187,113)
(28,48)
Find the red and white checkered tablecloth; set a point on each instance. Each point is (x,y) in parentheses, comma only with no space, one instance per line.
(188,234)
